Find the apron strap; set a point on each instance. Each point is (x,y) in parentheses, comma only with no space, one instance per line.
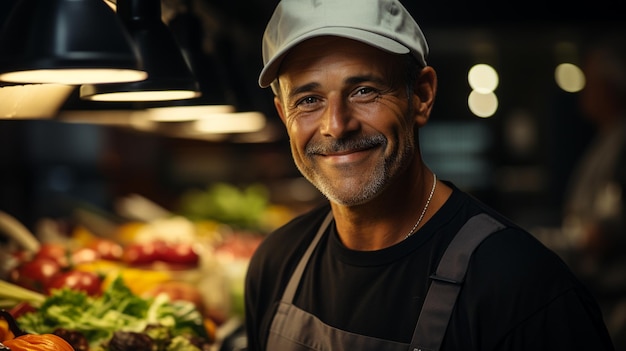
(447,281)
(292,286)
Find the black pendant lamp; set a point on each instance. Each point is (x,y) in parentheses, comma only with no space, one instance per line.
(169,74)
(66,42)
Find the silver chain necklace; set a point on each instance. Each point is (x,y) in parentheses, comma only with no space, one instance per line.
(419,220)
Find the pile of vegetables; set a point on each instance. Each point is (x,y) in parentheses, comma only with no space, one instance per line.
(118,320)
(55,265)
(241,208)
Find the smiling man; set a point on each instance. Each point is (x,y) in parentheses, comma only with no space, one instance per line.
(364,271)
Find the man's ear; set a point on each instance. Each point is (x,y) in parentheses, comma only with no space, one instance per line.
(279,108)
(424,91)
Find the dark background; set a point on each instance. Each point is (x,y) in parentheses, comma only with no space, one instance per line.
(48,167)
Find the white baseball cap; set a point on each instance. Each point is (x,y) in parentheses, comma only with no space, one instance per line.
(384,24)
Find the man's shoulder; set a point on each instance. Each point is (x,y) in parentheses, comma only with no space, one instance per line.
(513,262)
(512,253)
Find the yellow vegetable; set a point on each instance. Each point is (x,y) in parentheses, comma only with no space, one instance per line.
(5,332)
(138,281)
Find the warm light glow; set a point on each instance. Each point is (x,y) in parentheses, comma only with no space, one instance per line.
(129,96)
(569,77)
(32,100)
(482,105)
(483,78)
(121,118)
(207,123)
(185,113)
(74,76)
(112,4)
(240,122)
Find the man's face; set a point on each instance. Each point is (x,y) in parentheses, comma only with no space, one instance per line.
(348,116)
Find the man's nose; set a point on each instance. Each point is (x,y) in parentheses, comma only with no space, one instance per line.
(338,118)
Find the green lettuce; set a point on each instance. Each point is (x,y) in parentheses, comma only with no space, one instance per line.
(117,309)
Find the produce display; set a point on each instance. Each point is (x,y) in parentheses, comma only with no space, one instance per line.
(166,283)
(87,268)
(144,298)
(116,320)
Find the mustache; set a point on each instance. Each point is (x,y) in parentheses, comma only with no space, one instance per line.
(329,146)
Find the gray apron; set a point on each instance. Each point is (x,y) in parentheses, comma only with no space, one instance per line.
(294,329)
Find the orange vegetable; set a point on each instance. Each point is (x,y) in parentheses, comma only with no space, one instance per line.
(38,342)
(18,340)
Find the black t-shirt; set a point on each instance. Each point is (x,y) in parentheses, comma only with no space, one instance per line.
(518,295)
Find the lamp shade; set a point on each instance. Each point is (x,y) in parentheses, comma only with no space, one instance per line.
(169,74)
(66,42)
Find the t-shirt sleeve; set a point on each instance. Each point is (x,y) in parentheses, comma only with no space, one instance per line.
(518,295)
(567,323)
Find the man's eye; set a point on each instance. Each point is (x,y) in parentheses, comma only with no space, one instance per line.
(365,94)
(307,101)
(363,91)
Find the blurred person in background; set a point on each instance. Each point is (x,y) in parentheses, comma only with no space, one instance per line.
(595,209)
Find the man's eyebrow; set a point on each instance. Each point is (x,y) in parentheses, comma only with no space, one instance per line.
(303,88)
(364,78)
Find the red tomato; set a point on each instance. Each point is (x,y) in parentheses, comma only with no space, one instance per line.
(179,253)
(88,282)
(84,255)
(141,253)
(35,274)
(54,251)
(107,249)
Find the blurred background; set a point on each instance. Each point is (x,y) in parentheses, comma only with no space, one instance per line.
(507,124)
(517,158)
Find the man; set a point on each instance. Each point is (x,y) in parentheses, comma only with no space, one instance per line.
(353,89)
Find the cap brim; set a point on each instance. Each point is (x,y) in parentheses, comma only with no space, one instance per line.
(270,71)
